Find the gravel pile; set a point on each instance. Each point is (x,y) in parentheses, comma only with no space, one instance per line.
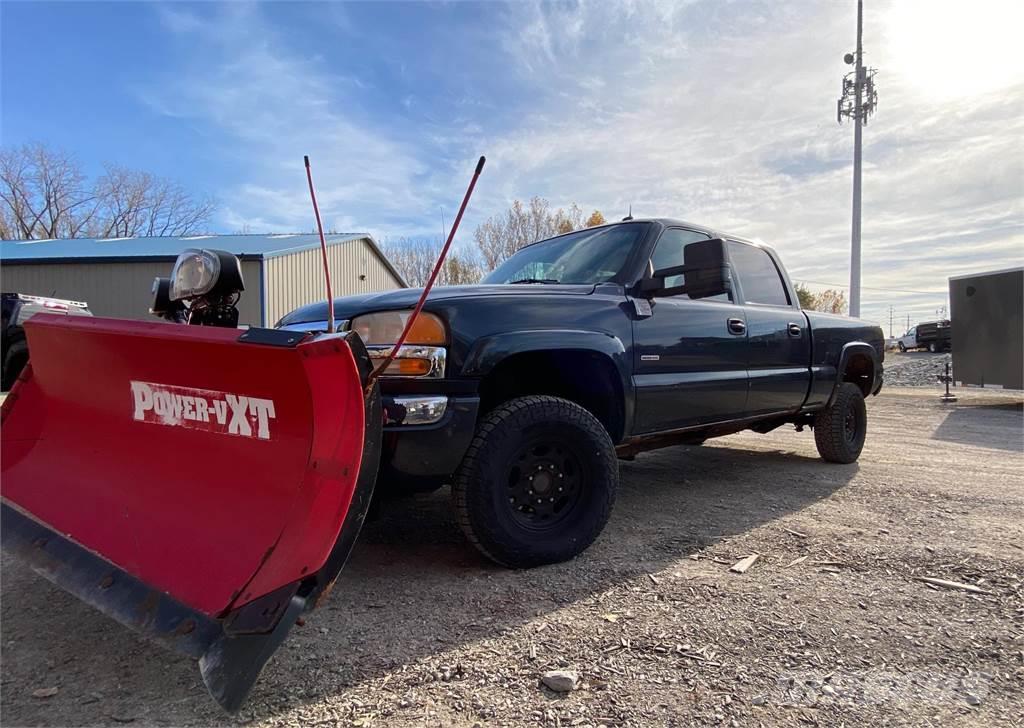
(915,369)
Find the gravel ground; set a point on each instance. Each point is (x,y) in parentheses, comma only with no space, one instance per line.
(915,369)
(830,626)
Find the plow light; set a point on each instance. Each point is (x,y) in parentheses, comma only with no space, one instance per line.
(200,272)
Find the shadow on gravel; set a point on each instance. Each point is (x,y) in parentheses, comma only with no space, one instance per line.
(415,589)
(994,425)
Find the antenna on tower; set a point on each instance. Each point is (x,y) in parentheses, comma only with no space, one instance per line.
(629,215)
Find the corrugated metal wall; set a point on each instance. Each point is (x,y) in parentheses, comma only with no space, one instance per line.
(296,279)
(120,290)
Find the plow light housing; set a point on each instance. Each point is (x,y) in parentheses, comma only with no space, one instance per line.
(201,272)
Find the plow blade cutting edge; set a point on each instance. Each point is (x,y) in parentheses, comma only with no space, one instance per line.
(202,485)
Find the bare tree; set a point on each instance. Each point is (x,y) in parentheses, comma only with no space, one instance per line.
(45,194)
(415,259)
(134,203)
(501,235)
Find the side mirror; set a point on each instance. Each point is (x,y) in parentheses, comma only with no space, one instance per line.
(704,270)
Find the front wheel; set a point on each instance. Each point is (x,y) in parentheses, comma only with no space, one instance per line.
(537,483)
(903,347)
(840,429)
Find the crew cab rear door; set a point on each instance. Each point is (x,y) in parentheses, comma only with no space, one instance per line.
(690,355)
(778,336)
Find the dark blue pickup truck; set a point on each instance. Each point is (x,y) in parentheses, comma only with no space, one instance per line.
(523,392)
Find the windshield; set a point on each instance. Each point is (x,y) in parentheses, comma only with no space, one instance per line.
(585,256)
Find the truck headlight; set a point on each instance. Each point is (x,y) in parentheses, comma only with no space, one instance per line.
(423,353)
(384,328)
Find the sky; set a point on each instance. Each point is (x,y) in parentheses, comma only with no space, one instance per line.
(720,113)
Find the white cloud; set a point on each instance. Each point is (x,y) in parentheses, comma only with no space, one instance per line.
(728,121)
(722,113)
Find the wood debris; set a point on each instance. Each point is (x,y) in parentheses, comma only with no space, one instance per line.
(743,564)
(952,585)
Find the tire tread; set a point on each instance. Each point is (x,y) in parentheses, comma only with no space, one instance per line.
(499,424)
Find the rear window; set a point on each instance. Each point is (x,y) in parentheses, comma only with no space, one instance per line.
(757,274)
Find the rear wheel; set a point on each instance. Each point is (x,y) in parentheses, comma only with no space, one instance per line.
(839,431)
(933,348)
(537,483)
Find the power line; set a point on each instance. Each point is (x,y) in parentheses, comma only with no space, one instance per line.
(872,288)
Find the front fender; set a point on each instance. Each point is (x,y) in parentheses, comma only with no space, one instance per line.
(489,351)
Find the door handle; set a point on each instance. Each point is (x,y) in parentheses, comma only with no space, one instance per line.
(795,331)
(737,326)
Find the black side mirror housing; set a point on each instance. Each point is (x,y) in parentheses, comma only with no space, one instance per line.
(705,270)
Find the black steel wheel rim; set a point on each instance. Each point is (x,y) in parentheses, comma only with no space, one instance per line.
(545,484)
(850,429)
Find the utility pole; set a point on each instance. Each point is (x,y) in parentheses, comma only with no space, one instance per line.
(857,102)
(890,321)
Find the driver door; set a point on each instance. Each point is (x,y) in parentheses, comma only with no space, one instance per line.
(690,355)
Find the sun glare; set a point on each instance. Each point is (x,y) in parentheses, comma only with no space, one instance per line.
(952,48)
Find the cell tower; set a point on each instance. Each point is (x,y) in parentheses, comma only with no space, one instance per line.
(857,101)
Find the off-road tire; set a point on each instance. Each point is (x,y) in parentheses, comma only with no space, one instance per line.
(483,484)
(14,361)
(840,429)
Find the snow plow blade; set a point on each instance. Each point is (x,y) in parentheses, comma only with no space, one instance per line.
(203,486)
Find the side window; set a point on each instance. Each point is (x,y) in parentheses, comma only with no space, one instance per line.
(757,275)
(668,253)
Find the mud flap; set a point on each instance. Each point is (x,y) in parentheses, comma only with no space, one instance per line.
(203,486)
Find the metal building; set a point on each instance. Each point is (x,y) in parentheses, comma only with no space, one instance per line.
(987,314)
(114,276)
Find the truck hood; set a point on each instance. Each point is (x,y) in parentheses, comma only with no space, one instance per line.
(349,306)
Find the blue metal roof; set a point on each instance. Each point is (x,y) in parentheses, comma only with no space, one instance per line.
(246,247)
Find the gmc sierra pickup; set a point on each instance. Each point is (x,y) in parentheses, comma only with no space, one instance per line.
(523,392)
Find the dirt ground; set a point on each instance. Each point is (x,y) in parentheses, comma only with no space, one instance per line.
(422,631)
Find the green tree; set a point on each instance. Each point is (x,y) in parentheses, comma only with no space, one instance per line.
(803,293)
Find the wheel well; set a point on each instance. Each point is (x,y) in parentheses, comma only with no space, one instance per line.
(860,369)
(581,376)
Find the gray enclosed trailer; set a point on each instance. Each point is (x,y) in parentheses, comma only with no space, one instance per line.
(987,311)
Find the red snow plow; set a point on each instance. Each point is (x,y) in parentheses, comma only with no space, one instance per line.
(202,485)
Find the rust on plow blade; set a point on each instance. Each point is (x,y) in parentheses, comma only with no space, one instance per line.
(203,486)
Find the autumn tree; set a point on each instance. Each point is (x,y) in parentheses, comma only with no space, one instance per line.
(44,194)
(415,259)
(503,234)
(828,301)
